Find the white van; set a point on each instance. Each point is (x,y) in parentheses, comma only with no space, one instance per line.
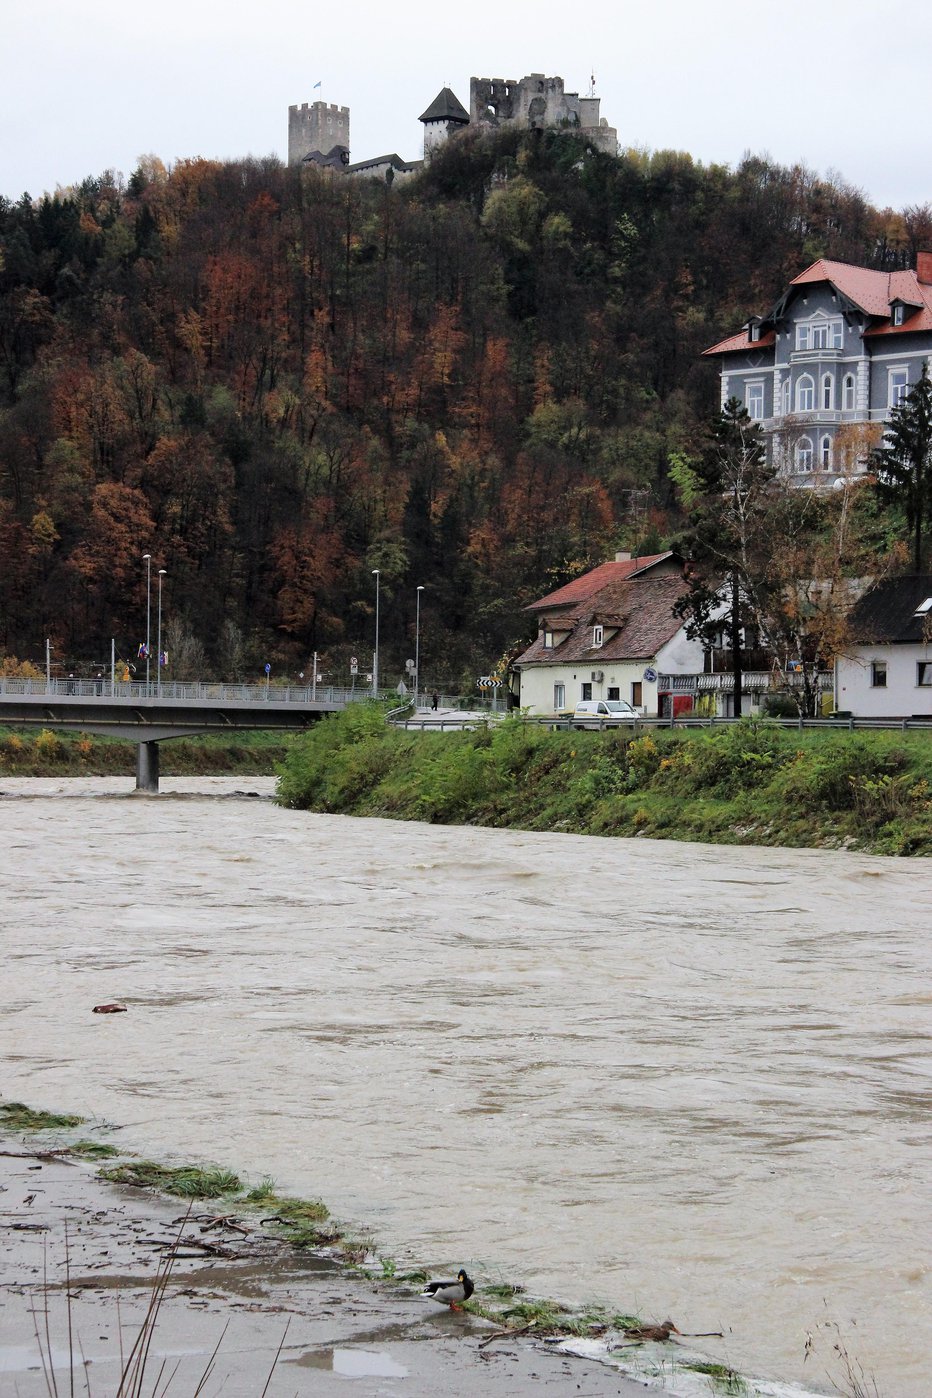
(600,711)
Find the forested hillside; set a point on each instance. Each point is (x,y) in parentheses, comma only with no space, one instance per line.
(275,381)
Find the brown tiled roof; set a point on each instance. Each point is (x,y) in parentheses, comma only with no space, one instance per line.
(592,582)
(641,608)
(888,612)
(741,342)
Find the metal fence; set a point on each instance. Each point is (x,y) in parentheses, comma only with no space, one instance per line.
(846,724)
(133,691)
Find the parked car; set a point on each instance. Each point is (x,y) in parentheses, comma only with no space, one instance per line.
(600,712)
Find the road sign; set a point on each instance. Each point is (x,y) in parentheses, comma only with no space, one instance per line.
(353,665)
(268,668)
(650,674)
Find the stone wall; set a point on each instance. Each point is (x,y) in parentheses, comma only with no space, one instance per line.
(538,102)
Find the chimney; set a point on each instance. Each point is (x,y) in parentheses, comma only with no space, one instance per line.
(924,267)
(624,556)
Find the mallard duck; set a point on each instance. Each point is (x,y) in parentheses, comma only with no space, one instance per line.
(449,1293)
(652,1332)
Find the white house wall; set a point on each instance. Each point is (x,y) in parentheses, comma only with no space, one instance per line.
(537,684)
(678,656)
(901,698)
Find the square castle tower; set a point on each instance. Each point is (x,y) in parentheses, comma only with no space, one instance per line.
(316,126)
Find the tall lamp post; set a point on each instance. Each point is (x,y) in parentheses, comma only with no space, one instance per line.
(147,559)
(158,643)
(375,657)
(417,647)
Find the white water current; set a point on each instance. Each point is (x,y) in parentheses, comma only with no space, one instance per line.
(682,1080)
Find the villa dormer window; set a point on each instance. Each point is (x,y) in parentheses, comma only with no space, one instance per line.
(899,313)
(753,333)
(548,640)
(597,635)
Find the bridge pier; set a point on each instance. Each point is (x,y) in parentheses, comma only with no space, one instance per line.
(147,767)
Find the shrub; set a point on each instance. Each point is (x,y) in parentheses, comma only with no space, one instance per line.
(49,747)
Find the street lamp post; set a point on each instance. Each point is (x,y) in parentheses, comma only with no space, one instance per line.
(147,559)
(158,643)
(375,657)
(417,647)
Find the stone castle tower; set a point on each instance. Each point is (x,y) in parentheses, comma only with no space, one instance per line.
(317,126)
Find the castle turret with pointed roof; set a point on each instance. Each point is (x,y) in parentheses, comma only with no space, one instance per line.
(444,117)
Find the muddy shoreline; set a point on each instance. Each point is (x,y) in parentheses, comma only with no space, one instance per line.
(80,1259)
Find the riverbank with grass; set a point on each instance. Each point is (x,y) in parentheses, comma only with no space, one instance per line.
(109,1289)
(46,753)
(748,783)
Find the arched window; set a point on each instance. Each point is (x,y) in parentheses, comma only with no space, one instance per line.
(825,453)
(804,454)
(847,394)
(805,395)
(785,396)
(828,393)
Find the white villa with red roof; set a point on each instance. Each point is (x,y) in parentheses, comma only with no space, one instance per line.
(822,369)
(611,634)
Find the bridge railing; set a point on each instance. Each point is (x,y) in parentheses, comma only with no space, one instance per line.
(132,691)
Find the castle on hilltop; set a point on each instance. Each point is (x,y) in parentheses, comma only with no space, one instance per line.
(319,132)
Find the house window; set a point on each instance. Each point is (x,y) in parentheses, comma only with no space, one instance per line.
(847,394)
(754,336)
(898,315)
(899,386)
(559,697)
(548,640)
(819,334)
(585,691)
(636,694)
(785,397)
(804,454)
(613,692)
(878,674)
(805,394)
(924,672)
(828,393)
(755,401)
(597,634)
(825,453)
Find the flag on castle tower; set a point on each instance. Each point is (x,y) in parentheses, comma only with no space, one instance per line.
(315,85)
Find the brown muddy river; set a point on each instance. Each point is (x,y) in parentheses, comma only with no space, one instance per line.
(680,1079)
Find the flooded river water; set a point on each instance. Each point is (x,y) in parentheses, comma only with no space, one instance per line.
(680,1079)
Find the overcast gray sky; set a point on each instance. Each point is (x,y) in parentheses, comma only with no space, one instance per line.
(842,85)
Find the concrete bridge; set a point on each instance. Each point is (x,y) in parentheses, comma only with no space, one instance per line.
(150,714)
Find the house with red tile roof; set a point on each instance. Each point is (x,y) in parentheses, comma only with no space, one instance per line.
(822,368)
(611,634)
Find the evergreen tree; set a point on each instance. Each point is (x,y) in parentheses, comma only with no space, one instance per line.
(727,541)
(904,463)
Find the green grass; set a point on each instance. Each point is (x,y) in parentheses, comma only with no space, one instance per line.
(93,1150)
(16,1116)
(185,1181)
(297,1221)
(748,783)
(722,1379)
